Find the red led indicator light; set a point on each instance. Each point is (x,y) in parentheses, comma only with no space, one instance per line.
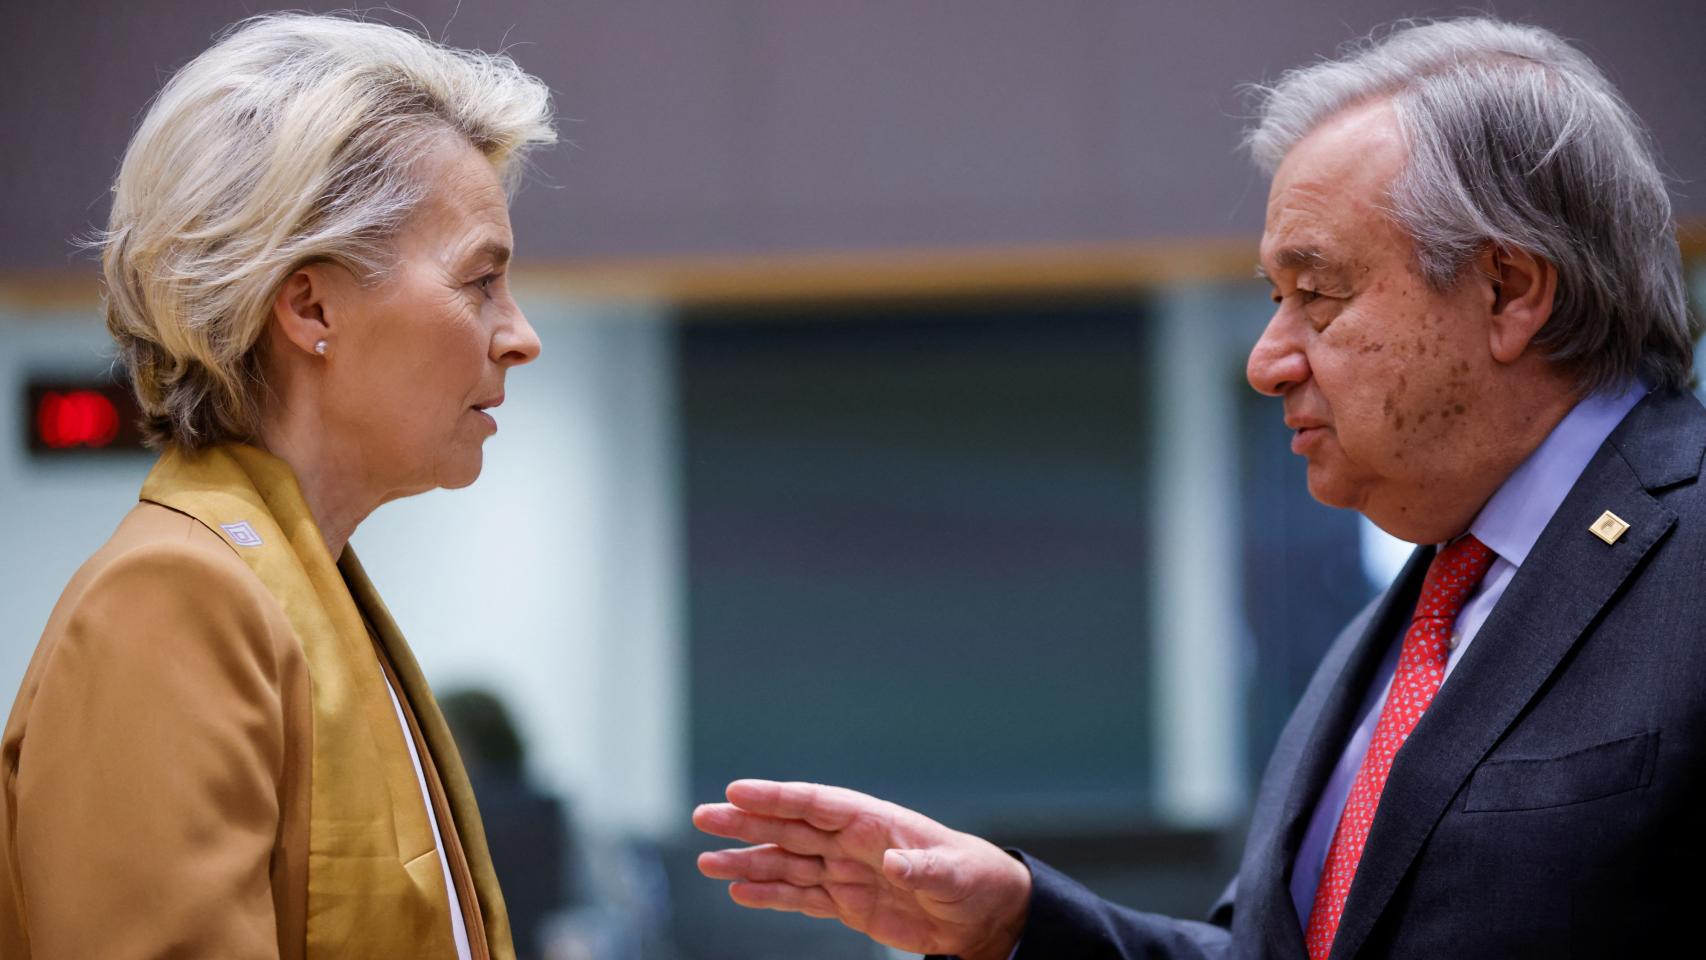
(76,418)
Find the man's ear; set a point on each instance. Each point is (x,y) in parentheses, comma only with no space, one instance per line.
(299,309)
(1522,290)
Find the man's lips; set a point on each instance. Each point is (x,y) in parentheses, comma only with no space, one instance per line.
(1305,435)
(1305,432)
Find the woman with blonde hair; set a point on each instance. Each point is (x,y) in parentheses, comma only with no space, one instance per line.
(222,746)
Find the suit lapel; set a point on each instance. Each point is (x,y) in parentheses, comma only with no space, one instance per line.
(1567,581)
(1307,751)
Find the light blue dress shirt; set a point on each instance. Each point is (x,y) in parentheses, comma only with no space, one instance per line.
(1509,525)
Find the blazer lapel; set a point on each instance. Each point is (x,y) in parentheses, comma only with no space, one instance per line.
(1308,749)
(1568,579)
(491,923)
(368,830)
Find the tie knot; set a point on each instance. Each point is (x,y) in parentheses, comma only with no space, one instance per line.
(1452,576)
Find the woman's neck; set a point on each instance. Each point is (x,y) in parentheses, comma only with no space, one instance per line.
(331,484)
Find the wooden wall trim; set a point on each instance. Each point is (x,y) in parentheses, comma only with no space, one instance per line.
(694,281)
(782,278)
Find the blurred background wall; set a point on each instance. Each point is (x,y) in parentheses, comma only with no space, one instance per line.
(890,430)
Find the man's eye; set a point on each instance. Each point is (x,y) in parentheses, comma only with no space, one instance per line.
(1305,297)
(486,282)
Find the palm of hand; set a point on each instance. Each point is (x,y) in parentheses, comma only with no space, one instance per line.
(868,901)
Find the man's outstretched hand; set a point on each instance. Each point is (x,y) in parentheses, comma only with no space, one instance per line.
(896,876)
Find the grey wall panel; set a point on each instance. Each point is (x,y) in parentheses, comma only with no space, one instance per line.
(728,126)
(890,121)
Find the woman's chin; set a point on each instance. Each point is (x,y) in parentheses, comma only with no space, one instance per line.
(462,469)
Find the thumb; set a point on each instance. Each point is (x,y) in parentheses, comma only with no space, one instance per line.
(923,871)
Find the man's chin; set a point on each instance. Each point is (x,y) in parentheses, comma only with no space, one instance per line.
(1332,489)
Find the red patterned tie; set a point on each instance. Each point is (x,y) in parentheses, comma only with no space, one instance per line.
(1452,577)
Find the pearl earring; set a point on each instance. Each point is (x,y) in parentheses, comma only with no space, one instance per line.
(320,347)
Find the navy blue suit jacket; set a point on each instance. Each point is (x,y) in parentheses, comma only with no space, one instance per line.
(1548,804)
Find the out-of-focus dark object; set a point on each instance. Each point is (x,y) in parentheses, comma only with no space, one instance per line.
(547,867)
(491,747)
(526,828)
(80,416)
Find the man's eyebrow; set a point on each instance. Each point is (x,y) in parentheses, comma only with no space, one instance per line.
(1302,258)
(1293,258)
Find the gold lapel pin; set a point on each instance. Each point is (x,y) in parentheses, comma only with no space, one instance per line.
(1609,527)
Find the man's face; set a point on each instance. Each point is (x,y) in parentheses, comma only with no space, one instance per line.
(1385,380)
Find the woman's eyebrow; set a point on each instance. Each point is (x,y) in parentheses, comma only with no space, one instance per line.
(493,250)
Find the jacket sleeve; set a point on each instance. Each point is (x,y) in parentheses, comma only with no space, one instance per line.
(147,788)
(1067,920)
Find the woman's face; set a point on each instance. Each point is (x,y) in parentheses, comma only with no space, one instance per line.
(417,359)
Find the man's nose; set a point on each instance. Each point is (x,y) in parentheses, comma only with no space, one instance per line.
(1277,362)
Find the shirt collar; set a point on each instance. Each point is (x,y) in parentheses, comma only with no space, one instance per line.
(1519,510)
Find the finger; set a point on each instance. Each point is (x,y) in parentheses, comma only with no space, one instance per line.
(727,820)
(811,901)
(764,864)
(940,876)
(827,808)
(768,862)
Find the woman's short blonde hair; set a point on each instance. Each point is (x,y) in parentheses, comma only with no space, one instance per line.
(291,140)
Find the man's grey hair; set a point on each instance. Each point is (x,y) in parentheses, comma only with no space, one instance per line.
(1518,141)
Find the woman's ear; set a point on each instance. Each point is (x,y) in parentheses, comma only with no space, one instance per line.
(299,309)
(1523,288)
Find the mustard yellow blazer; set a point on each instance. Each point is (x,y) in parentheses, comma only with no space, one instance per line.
(204,760)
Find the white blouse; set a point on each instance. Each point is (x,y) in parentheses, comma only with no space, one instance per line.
(458,927)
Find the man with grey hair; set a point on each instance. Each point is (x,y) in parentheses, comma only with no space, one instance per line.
(1482,344)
